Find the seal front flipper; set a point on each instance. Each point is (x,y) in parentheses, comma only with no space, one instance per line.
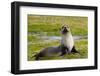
(74,50)
(63,50)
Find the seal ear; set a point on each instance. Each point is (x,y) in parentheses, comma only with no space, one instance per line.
(62,26)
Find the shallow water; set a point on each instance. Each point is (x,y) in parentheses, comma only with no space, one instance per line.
(47,39)
(43,36)
(59,38)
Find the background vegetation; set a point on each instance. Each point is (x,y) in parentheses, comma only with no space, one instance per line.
(41,26)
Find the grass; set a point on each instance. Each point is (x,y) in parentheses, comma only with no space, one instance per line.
(50,26)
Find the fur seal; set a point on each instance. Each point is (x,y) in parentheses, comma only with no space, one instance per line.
(67,40)
(66,46)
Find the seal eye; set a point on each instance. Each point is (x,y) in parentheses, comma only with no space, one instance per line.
(65,26)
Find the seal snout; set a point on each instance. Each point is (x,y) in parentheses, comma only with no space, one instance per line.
(65,29)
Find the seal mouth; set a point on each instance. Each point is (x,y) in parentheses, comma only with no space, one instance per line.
(65,30)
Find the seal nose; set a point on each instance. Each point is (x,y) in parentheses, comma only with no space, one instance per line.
(64,30)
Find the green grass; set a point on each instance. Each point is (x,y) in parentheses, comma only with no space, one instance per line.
(50,26)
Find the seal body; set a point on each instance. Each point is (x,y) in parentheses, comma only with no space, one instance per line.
(66,46)
(49,52)
(67,41)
